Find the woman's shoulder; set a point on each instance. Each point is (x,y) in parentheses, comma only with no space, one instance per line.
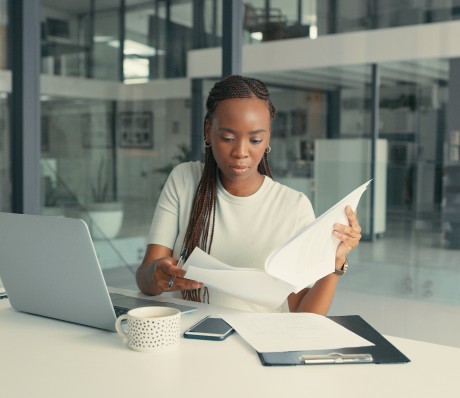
(187,170)
(286,191)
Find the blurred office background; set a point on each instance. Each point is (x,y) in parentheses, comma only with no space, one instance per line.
(363,89)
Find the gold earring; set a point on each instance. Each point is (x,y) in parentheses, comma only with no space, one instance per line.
(268,149)
(206,145)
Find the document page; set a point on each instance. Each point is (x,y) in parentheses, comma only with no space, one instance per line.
(310,255)
(294,265)
(281,332)
(254,285)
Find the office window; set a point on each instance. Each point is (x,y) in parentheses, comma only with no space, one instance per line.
(142,49)
(358,15)
(212,23)
(279,20)
(112,156)
(415,252)
(64,46)
(3,34)
(81,41)
(104,24)
(317,122)
(157,38)
(5,163)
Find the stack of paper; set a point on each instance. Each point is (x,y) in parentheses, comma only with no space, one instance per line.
(294,265)
(292,332)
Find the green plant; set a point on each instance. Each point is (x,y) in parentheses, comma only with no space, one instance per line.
(183,156)
(100,188)
(51,192)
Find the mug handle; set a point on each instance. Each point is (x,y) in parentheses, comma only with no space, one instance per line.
(120,331)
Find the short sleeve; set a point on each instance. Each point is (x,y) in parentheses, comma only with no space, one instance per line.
(173,208)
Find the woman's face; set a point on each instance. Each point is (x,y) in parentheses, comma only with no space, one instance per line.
(239,133)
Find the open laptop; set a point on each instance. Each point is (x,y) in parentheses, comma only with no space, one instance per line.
(49,267)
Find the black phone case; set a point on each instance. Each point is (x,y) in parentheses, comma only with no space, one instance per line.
(204,337)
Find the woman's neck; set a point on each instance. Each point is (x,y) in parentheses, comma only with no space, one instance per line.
(243,188)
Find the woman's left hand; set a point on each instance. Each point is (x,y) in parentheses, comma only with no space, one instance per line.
(350,236)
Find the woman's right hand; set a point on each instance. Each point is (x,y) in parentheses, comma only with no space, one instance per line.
(164,269)
(156,270)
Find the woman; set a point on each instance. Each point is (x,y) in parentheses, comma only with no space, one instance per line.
(231,207)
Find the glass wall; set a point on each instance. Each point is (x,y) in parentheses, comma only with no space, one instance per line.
(112,157)
(278,20)
(358,15)
(109,144)
(107,148)
(83,39)
(103,33)
(321,134)
(321,146)
(5,164)
(3,34)
(409,271)
(65,48)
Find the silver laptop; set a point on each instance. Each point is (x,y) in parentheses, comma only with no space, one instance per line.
(49,267)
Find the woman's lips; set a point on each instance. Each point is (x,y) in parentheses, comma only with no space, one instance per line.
(239,169)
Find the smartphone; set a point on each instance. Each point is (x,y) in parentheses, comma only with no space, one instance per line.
(209,328)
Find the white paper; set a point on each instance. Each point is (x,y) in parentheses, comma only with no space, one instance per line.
(253,285)
(294,265)
(310,255)
(281,332)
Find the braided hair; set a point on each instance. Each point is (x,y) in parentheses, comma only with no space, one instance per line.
(200,230)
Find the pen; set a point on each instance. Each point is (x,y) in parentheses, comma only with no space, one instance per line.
(180,264)
(336,357)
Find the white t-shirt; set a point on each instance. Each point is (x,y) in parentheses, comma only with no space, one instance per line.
(246,228)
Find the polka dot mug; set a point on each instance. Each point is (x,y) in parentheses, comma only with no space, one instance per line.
(150,329)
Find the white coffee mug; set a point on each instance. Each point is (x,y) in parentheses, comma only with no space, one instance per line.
(151,328)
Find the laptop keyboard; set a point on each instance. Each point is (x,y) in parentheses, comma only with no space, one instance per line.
(120,310)
(122,304)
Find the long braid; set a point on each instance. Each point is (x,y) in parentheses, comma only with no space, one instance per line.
(200,229)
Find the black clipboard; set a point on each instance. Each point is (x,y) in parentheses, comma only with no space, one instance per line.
(382,352)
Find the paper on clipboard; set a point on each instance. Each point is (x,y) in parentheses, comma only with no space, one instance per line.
(294,265)
(275,332)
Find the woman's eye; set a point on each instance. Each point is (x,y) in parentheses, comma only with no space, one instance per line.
(256,141)
(227,139)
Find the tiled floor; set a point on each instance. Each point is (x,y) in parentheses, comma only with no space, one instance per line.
(404,284)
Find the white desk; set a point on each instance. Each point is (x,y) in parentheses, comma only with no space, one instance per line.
(42,357)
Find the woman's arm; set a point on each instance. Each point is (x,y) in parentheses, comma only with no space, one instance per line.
(157,267)
(318,298)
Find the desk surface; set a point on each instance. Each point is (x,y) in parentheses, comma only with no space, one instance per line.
(41,357)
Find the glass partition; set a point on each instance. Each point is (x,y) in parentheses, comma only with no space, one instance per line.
(104,39)
(83,40)
(65,48)
(3,34)
(278,20)
(321,133)
(5,163)
(321,146)
(359,15)
(106,162)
